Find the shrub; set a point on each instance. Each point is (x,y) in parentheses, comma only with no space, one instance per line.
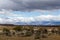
(6,31)
(17,28)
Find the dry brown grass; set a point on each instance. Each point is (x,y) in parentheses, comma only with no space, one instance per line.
(51,37)
(8,27)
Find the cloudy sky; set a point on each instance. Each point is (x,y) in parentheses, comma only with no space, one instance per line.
(13,11)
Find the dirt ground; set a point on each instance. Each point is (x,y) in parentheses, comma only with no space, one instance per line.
(51,37)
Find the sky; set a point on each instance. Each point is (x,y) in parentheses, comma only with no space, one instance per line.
(13,11)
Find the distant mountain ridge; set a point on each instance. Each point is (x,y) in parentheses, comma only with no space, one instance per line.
(6,24)
(36,23)
(40,23)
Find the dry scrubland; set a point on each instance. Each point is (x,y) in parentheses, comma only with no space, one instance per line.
(49,37)
(52,37)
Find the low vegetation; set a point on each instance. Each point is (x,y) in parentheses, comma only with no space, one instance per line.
(30,33)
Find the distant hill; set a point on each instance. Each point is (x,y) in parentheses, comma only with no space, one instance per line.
(39,23)
(31,25)
(6,24)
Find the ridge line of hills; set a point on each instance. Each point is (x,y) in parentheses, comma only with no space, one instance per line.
(31,25)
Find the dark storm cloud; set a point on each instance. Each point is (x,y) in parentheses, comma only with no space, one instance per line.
(24,5)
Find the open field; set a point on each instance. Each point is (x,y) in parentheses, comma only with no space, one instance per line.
(52,36)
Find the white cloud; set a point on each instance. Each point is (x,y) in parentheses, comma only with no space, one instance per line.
(38,18)
(31,19)
(6,21)
(8,13)
(48,17)
(23,19)
(13,18)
